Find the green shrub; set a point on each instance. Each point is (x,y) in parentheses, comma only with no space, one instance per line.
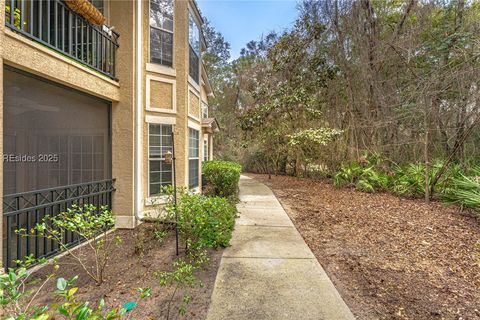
(348,174)
(365,179)
(90,224)
(464,190)
(204,221)
(221,178)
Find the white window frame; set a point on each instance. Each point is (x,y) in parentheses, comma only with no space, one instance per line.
(172,32)
(194,158)
(150,197)
(199,53)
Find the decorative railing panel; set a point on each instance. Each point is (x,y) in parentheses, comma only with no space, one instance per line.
(53,24)
(25,210)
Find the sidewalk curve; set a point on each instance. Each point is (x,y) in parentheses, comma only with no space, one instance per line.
(269,272)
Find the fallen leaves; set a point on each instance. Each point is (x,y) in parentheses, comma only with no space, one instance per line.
(390,258)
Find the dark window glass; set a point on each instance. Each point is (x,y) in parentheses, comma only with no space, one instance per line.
(99,4)
(159,142)
(193,66)
(161,47)
(193,158)
(194,49)
(161,32)
(65,134)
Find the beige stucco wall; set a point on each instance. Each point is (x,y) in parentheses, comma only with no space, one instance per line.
(122,16)
(194,104)
(25,54)
(178,75)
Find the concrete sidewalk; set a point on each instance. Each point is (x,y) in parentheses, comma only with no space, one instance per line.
(269,272)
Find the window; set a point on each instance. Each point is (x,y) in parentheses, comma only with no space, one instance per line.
(193,157)
(205,150)
(159,142)
(194,49)
(204,110)
(161,32)
(100,5)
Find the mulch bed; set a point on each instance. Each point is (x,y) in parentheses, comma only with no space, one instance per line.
(132,265)
(390,258)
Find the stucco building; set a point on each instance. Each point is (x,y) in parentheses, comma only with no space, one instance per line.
(88,110)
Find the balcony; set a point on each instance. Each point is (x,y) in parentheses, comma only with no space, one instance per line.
(53,24)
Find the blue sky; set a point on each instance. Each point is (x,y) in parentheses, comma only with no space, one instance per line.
(243,20)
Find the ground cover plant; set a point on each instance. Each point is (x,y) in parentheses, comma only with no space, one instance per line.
(457,185)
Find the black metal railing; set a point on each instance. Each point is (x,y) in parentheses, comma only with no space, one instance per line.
(53,24)
(25,210)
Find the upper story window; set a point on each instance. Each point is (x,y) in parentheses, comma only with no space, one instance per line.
(161,32)
(204,110)
(100,5)
(194,48)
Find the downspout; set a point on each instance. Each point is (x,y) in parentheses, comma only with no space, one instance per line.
(138,114)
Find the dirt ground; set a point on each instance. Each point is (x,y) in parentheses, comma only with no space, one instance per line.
(131,268)
(390,258)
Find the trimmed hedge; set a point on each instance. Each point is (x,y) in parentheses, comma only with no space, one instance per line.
(221,178)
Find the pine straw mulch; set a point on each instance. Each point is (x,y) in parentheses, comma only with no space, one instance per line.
(390,258)
(132,265)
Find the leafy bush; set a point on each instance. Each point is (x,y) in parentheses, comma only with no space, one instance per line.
(205,221)
(409,180)
(464,190)
(366,179)
(222,178)
(183,276)
(90,225)
(348,174)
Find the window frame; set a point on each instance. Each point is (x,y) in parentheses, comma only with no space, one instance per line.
(206,151)
(172,32)
(190,158)
(191,49)
(161,159)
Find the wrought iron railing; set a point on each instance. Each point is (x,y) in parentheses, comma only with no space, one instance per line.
(53,24)
(25,210)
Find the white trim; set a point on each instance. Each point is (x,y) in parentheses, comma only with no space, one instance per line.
(148,107)
(161,119)
(139,125)
(194,85)
(165,30)
(148,161)
(197,117)
(161,69)
(194,125)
